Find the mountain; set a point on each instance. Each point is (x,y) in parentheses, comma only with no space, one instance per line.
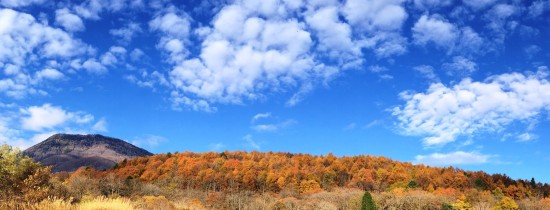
(68,152)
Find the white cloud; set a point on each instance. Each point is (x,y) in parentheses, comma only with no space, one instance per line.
(272,127)
(21,35)
(148,141)
(378,23)
(335,36)
(91,65)
(375,14)
(443,34)
(251,143)
(217,147)
(500,23)
(91,9)
(236,64)
(431,4)
(503,11)
(172,24)
(19,3)
(68,20)
(136,54)
(524,137)
(39,137)
(251,47)
(127,33)
(265,127)
(460,66)
(115,55)
(179,100)
(372,124)
(531,51)
(174,28)
(38,118)
(470,42)
(100,125)
(51,74)
(537,8)
(269,127)
(453,158)
(260,116)
(377,69)
(26,126)
(434,29)
(25,41)
(350,126)
(478,4)
(442,113)
(427,71)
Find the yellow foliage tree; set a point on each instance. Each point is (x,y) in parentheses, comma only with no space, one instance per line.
(506,203)
(309,186)
(461,204)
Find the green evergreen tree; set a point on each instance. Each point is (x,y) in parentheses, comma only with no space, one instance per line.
(367,202)
(446,206)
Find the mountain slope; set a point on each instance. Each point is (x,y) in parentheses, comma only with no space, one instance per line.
(68,152)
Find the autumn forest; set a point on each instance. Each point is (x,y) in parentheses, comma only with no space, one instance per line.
(257,180)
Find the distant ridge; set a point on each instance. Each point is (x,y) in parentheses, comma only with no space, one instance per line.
(68,152)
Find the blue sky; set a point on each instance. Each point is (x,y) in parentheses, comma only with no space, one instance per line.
(462,83)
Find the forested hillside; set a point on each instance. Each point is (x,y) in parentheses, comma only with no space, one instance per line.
(255,180)
(303,173)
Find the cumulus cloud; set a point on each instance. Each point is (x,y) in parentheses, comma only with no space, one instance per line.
(453,158)
(115,55)
(127,33)
(175,29)
(24,40)
(376,14)
(38,118)
(33,36)
(434,29)
(26,126)
(335,36)
(382,21)
(91,9)
(49,74)
(68,20)
(244,55)
(93,66)
(19,3)
(251,47)
(443,113)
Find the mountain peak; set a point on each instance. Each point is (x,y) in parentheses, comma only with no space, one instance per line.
(68,152)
